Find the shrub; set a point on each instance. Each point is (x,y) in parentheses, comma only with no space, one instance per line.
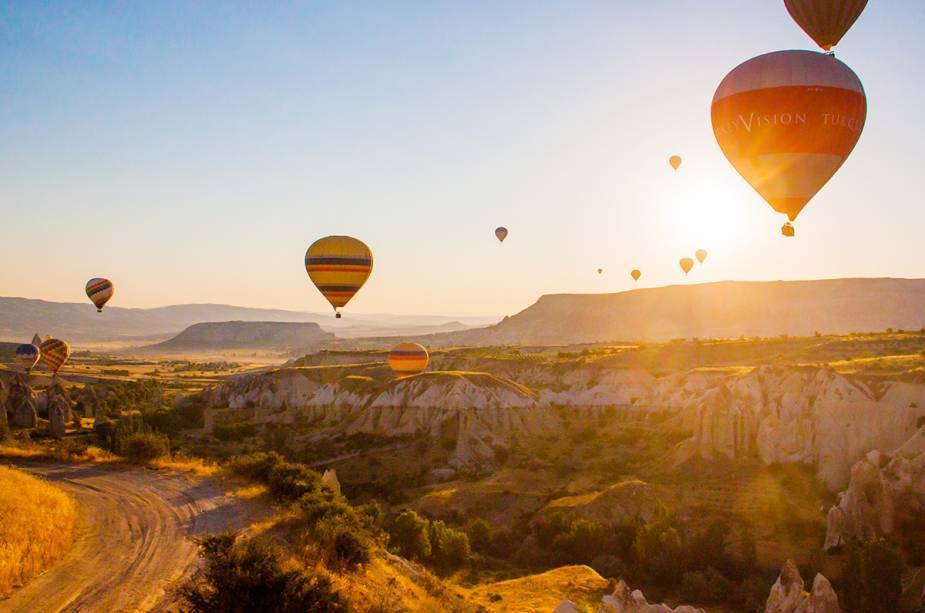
(248,576)
(292,481)
(143,447)
(707,586)
(409,535)
(255,466)
(233,432)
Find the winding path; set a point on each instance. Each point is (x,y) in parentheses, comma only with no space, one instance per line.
(132,544)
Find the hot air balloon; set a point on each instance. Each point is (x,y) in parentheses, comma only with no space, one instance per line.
(826,21)
(675,161)
(635,274)
(787,121)
(600,270)
(407,359)
(55,353)
(338,266)
(99,291)
(28,356)
(701,255)
(686,264)
(501,233)
(36,340)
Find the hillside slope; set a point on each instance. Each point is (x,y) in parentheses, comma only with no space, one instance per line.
(269,335)
(713,310)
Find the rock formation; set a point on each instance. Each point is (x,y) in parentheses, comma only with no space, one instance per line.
(566,606)
(882,486)
(59,410)
(805,415)
(329,480)
(788,596)
(624,600)
(21,403)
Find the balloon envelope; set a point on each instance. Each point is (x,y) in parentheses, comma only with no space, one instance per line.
(99,291)
(338,266)
(787,121)
(686,264)
(636,274)
(825,21)
(701,255)
(408,359)
(600,270)
(675,161)
(55,353)
(28,356)
(501,233)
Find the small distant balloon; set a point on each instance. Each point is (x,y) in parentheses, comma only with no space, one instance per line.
(635,274)
(825,21)
(600,270)
(99,291)
(675,161)
(501,233)
(686,264)
(338,266)
(55,353)
(28,356)
(408,359)
(701,255)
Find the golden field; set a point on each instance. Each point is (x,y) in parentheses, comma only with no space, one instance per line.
(36,527)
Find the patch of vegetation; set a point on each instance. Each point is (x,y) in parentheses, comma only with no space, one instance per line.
(429,541)
(244,576)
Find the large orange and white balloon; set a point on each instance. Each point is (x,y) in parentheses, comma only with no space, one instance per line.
(825,21)
(787,121)
(408,359)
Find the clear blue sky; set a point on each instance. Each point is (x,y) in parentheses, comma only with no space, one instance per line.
(191,151)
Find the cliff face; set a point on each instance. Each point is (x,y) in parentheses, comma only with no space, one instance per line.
(812,416)
(267,335)
(715,310)
(884,488)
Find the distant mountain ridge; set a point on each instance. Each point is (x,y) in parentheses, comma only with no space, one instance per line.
(20,318)
(724,309)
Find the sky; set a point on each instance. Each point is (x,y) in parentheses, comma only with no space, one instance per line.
(191,151)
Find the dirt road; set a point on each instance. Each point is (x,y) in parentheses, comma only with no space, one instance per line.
(132,543)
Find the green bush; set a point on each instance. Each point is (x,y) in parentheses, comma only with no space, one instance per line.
(143,447)
(256,465)
(708,586)
(233,432)
(248,576)
(409,535)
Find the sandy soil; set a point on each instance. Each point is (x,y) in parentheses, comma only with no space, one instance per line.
(133,544)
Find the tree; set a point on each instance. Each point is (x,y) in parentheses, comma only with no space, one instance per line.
(872,580)
(480,535)
(410,536)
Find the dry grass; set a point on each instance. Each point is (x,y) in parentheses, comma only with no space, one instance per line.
(544,591)
(36,527)
(186,464)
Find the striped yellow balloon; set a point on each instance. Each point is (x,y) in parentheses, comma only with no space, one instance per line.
(338,266)
(408,359)
(99,291)
(55,353)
